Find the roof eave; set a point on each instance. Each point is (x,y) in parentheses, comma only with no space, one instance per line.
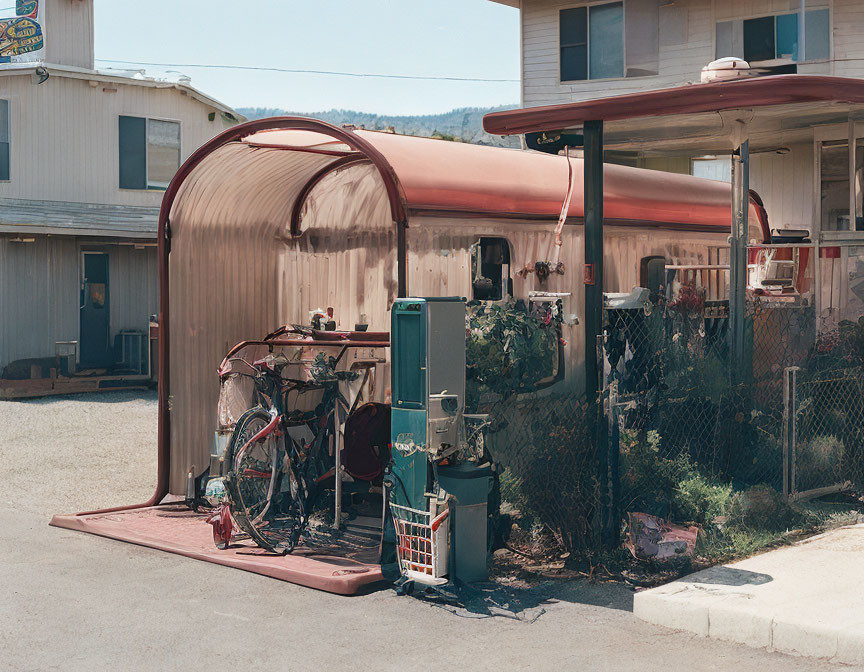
(74,72)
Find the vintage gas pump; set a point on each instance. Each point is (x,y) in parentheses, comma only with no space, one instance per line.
(438,488)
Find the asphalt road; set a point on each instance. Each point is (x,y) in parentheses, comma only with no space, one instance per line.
(69,601)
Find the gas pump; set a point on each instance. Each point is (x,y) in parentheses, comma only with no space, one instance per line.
(438,486)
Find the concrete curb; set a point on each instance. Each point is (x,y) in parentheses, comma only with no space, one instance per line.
(803,600)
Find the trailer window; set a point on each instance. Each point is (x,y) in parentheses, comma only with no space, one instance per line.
(490,269)
(652,275)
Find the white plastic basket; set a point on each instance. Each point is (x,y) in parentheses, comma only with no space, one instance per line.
(421,544)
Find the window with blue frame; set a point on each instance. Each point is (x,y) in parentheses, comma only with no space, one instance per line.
(592,42)
(606,40)
(767,38)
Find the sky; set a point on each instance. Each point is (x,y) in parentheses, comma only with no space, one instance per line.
(459,38)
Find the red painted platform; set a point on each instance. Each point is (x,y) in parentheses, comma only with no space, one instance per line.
(341,565)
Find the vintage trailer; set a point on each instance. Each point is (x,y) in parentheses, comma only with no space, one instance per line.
(281,217)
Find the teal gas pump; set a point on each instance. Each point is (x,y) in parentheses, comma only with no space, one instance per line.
(428,390)
(440,531)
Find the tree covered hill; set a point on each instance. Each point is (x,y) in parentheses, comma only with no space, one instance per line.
(464,124)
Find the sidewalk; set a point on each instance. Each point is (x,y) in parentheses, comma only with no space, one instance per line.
(805,599)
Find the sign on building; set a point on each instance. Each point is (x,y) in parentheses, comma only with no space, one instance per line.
(21,36)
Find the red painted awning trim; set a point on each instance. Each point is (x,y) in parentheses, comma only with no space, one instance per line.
(690,99)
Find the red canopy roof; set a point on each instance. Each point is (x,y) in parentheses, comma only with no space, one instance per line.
(460,177)
(423,175)
(691,99)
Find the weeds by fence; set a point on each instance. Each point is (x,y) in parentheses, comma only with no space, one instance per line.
(687,444)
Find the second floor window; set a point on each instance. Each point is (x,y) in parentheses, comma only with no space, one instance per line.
(4,140)
(149,152)
(767,38)
(595,38)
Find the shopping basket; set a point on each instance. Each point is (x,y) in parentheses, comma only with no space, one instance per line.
(421,544)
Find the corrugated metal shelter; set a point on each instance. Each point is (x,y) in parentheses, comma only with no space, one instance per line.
(278,217)
(281,216)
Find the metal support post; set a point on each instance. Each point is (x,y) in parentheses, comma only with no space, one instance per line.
(593,204)
(593,278)
(738,259)
(790,426)
(337,450)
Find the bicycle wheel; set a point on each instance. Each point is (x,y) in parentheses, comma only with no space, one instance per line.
(254,484)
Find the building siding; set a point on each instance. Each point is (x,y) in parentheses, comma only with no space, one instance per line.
(682,52)
(69,34)
(33,271)
(82,119)
(39,292)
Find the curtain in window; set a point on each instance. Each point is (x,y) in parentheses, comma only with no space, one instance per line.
(643,37)
(163,152)
(817,33)
(606,40)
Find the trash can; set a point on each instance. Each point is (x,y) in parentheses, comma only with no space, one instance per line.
(468,485)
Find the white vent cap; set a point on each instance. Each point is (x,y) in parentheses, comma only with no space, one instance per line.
(725,69)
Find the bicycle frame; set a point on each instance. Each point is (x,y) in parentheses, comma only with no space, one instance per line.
(272,392)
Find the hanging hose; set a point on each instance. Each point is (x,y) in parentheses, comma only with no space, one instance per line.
(565,208)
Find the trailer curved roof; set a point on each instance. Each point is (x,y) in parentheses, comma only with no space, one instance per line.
(430,175)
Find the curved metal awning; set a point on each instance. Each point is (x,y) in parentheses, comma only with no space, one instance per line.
(435,176)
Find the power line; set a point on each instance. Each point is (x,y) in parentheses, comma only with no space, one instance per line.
(310,72)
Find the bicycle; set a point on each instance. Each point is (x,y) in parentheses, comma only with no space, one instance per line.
(279,458)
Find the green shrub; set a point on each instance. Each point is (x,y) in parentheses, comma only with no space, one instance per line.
(819,462)
(549,467)
(649,481)
(699,501)
(762,507)
(508,349)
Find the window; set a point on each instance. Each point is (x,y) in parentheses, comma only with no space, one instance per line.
(652,275)
(712,168)
(834,180)
(595,38)
(592,42)
(4,140)
(149,152)
(490,269)
(775,37)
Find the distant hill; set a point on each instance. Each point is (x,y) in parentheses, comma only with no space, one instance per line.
(464,124)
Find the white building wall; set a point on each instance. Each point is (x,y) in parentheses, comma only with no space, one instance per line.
(64,135)
(785,183)
(68,32)
(687,39)
(30,321)
(40,292)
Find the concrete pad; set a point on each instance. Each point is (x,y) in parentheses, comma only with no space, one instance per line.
(804,599)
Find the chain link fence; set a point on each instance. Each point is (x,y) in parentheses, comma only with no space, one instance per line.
(673,437)
(827,434)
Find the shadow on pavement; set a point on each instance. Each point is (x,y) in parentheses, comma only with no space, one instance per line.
(526,604)
(728,576)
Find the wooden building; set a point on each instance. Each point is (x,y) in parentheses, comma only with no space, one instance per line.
(808,171)
(85,157)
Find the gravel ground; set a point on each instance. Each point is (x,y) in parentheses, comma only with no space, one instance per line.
(68,454)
